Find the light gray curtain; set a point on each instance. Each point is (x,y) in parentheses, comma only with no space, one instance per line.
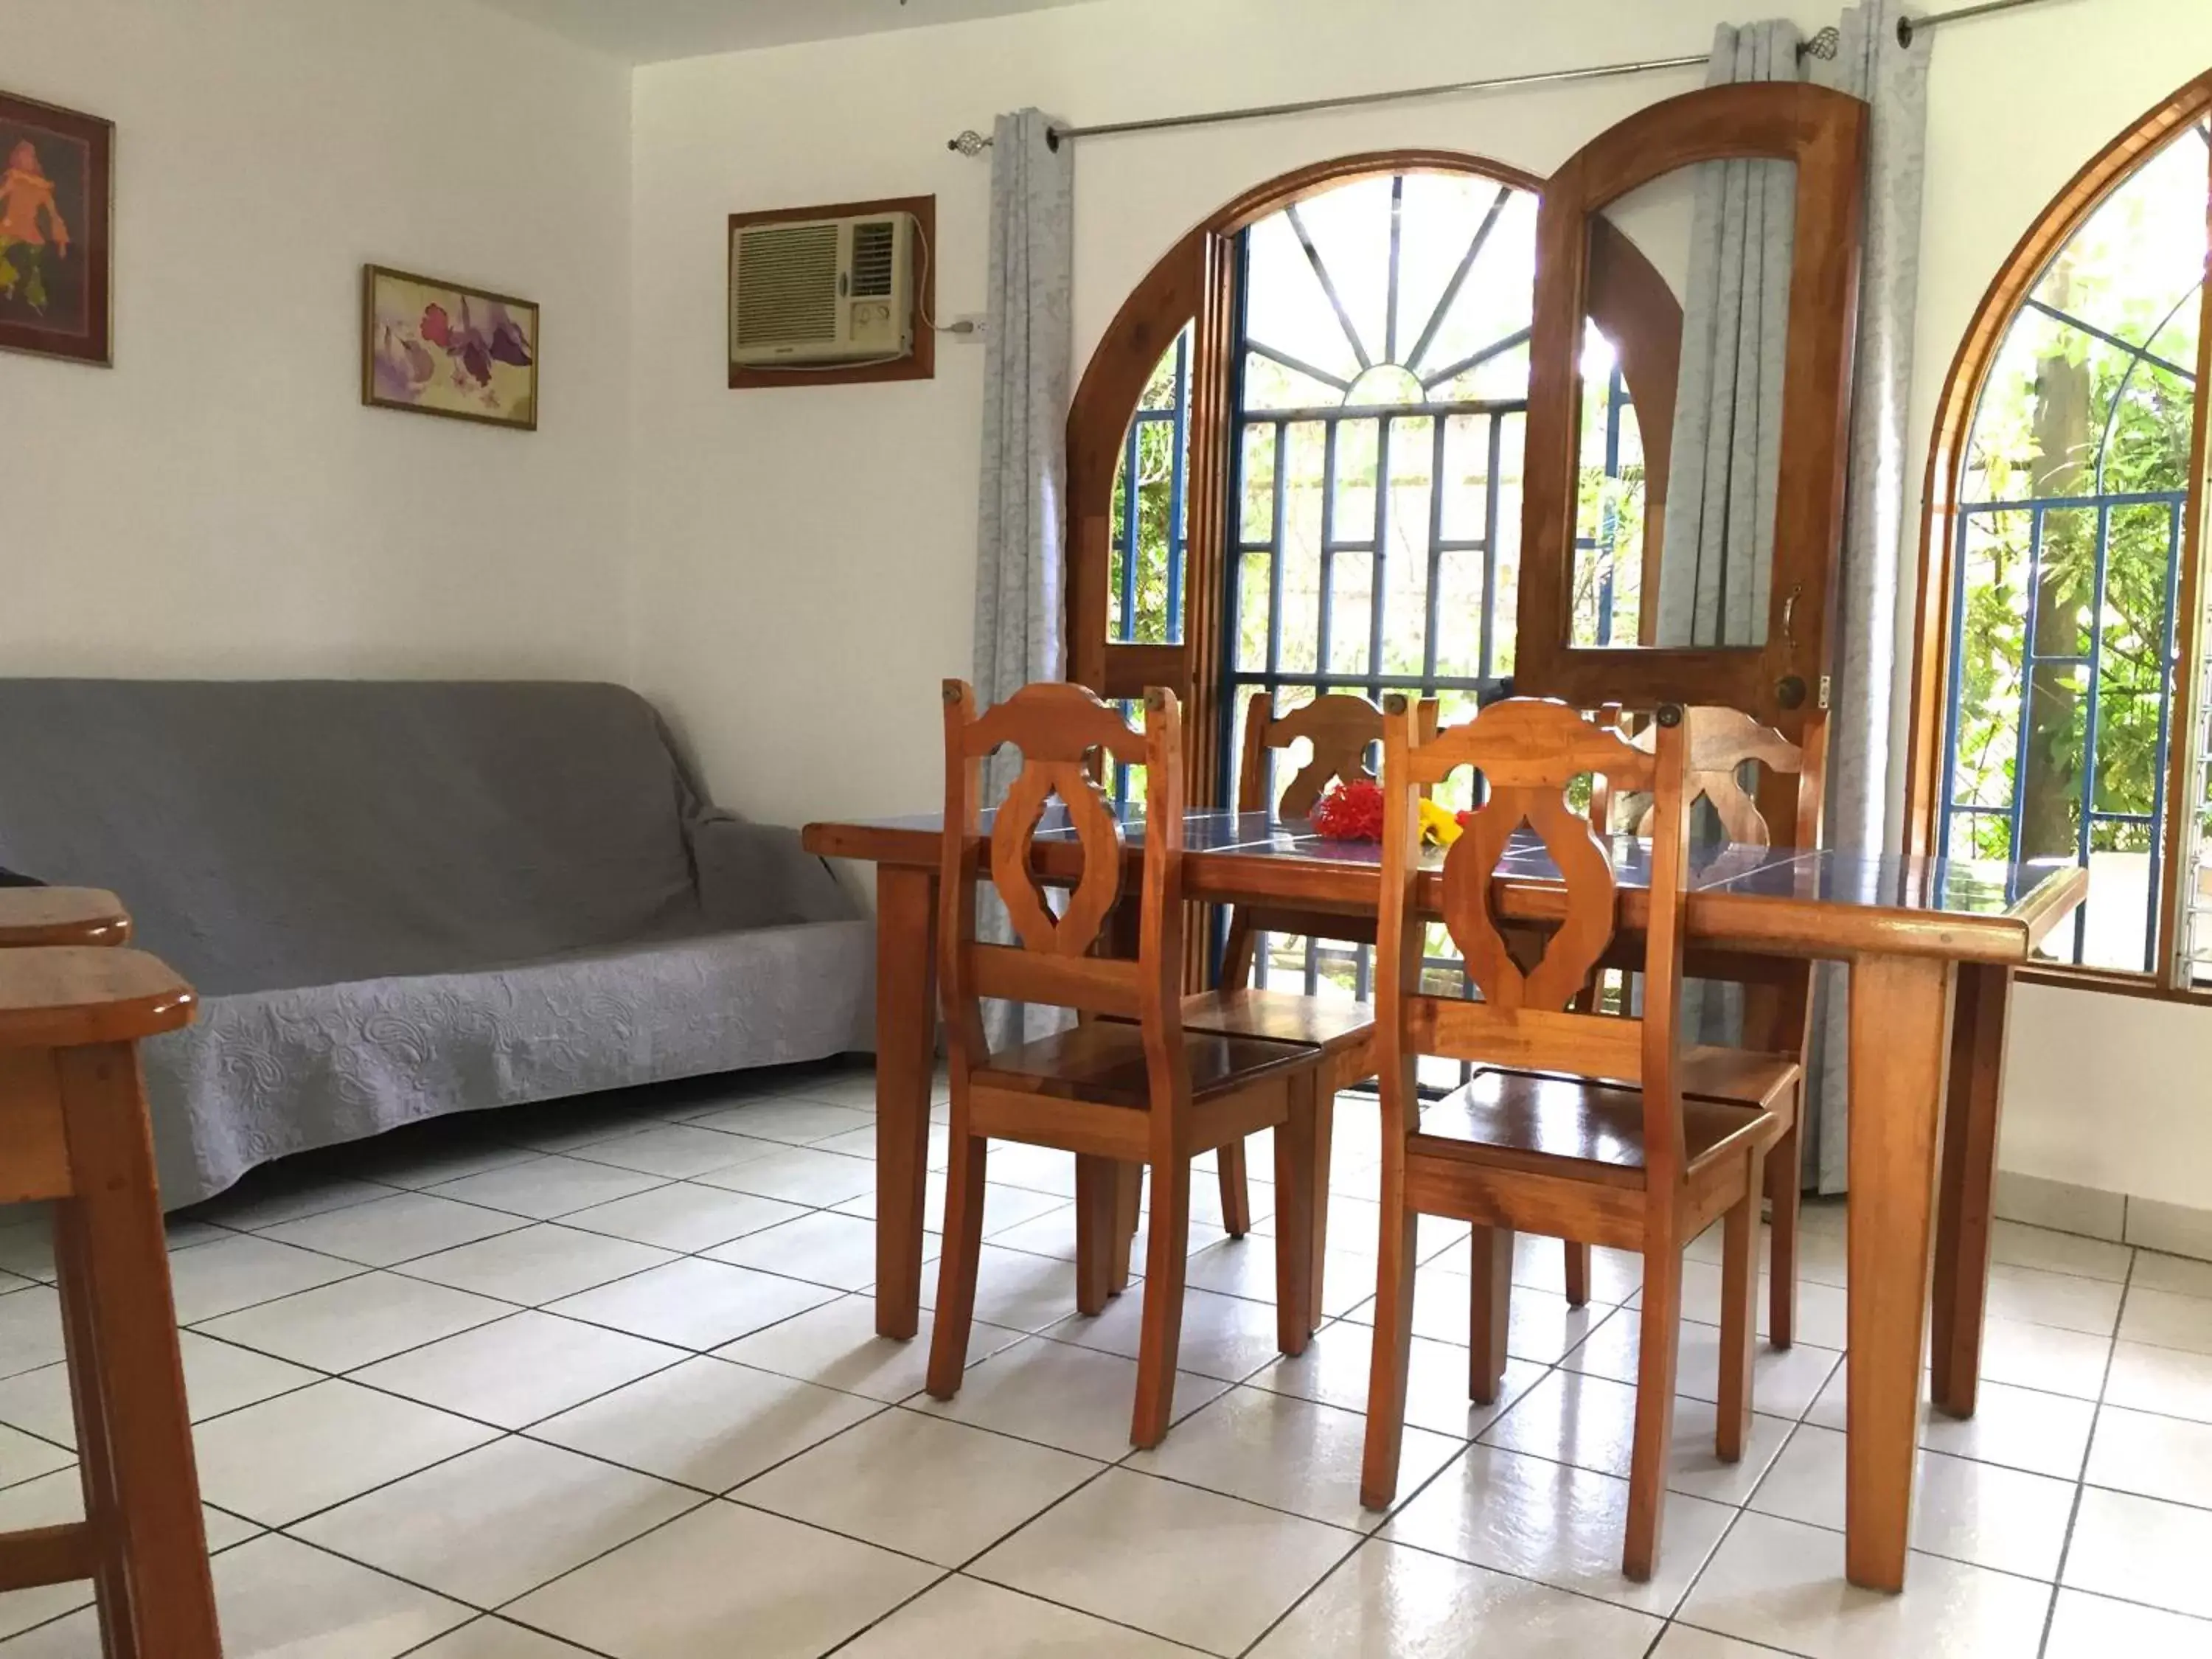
(1863,780)
(1021,522)
(1717,554)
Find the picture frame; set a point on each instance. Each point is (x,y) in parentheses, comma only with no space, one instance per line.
(57,230)
(432,346)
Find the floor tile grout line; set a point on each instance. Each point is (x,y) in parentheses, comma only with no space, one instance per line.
(1303,1596)
(494,1619)
(2088,1451)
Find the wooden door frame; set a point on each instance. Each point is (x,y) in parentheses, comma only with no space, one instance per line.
(1781,683)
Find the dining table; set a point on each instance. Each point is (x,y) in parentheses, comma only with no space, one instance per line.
(1931,945)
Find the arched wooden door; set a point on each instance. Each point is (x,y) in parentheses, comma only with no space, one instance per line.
(1164,383)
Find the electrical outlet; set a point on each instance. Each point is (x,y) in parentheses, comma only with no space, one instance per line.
(967,329)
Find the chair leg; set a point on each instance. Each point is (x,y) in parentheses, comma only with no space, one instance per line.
(1489,1312)
(1659,1339)
(112,1237)
(1783,1184)
(1166,1253)
(1096,1185)
(1324,1135)
(1392,1350)
(1578,1266)
(1738,1314)
(961,1258)
(1128,1203)
(1297,1291)
(1235,1194)
(118,1623)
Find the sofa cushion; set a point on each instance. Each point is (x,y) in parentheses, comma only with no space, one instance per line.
(269,834)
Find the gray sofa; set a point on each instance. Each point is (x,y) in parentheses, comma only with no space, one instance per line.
(401,899)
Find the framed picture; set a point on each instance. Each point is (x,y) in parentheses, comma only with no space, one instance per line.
(438,348)
(56,188)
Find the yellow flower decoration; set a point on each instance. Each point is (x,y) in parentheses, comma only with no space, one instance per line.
(1440,826)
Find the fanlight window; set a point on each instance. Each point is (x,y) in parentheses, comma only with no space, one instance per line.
(1377,382)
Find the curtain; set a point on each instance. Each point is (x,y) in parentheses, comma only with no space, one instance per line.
(1716,556)
(1863,782)
(1718,553)
(1020,534)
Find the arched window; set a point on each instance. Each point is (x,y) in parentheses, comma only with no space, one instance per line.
(1315,406)
(2069,465)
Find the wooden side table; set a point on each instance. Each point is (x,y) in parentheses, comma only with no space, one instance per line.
(73,1131)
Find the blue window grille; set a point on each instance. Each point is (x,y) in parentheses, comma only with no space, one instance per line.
(2104,565)
(1151,526)
(1380,402)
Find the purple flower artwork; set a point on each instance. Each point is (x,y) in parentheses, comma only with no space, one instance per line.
(440,349)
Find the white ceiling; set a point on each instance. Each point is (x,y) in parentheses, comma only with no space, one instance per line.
(648,31)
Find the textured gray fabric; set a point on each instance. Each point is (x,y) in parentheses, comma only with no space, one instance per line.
(1863,780)
(1021,521)
(1717,560)
(400,899)
(1718,555)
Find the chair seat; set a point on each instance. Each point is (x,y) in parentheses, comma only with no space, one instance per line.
(1329,1023)
(1738,1074)
(1526,1114)
(1104,1063)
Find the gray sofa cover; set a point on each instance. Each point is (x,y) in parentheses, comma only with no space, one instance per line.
(398,899)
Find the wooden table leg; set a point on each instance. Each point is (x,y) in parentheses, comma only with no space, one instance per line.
(906,1057)
(113,1241)
(1900,1013)
(1966,1191)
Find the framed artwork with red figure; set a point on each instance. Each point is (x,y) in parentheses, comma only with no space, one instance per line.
(57,180)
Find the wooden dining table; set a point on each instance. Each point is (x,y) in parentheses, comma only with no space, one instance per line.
(1931,945)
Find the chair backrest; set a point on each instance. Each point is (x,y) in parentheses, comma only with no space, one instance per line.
(1058,958)
(1528,751)
(1721,742)
(1342,729)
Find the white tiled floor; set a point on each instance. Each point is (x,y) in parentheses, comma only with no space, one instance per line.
(600,1378)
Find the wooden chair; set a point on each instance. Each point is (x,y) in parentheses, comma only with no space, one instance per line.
(1130,1088)
(61,915)
(1341,728)
(1578,1124)
(73,1130)
(1777,1011)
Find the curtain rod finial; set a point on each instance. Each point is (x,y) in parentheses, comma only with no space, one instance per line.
(1825,44)
(970,143)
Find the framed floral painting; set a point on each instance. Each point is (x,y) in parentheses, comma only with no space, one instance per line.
(57,171)
(437,348)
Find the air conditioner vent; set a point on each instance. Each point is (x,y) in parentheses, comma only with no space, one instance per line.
(875,242)
(822,292)
(787,284)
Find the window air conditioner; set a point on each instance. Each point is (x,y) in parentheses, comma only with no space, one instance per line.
(822,291)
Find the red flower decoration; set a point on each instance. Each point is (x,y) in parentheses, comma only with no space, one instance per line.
(1350,811)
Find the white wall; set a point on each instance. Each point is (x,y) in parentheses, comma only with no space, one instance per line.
(806,557)
(219,502)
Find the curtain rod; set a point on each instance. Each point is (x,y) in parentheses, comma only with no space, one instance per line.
(1822,45)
